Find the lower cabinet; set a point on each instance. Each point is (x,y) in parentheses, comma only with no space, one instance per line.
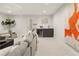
(45,32)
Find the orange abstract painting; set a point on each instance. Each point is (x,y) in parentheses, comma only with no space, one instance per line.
(72,23)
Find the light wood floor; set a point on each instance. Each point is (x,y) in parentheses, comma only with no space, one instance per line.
(54,47)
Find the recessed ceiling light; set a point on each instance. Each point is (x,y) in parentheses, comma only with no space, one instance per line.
(46,3)
(44,11)
(18,6)
(9,11)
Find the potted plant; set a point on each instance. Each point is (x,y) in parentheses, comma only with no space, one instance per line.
(8,22)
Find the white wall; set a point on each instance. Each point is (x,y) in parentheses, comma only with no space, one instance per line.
(22,24)
(60,20)
(39,20)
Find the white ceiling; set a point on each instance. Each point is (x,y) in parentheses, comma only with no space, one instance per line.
(29,8)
